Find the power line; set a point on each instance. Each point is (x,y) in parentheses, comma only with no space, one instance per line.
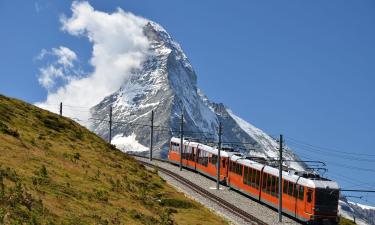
(351,158)
(329,149)
(358,190)
(346,166)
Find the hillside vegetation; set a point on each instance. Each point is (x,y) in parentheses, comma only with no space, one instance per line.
(54,171)
(344,221)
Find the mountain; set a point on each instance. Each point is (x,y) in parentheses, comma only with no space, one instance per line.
(167,84)
(54,171)
(362,214)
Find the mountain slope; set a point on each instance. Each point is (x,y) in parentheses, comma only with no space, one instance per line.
(362,214)
(167,84)
(54,171)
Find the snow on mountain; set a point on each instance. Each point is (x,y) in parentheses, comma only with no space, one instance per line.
(365,207)
(167,84)
(361,214)
(128,142)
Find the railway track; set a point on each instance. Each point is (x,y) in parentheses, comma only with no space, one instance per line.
(248,218)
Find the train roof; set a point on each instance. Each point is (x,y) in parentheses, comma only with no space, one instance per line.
(212,150)
(302,177)
(291,175)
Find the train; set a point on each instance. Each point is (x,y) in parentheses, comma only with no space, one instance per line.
(306,196)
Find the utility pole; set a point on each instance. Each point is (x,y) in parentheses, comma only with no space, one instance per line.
(181,138)
(110,125)
(152,133)
(280,178)
(60,108)
(219,158)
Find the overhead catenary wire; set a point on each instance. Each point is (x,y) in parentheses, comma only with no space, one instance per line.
(337,164)
(328,154)
(329,149)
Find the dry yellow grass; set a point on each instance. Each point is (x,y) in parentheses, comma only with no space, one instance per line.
(53,171)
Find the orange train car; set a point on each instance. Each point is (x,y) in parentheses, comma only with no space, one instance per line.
(306,196)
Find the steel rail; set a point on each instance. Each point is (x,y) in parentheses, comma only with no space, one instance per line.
(203,192)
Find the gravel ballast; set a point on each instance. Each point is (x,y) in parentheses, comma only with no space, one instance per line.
(263,212)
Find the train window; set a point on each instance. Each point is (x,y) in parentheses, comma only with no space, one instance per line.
(264,183)
(249,175)
(273,184)
(203,158)
(285,188)
(309,196)
(290,188)
(238,169)
(246,172)
(257,179)
(253,177)
(277,186)
(295,193)
(269,183)
(301,192)
(175,147)
(232,167)
(213,159)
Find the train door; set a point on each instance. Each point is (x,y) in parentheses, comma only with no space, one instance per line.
(309,201)
(223,168)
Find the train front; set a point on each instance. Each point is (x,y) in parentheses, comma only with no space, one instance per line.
(325,200)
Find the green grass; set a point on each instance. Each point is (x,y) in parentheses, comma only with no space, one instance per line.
(344,221)
(54,171)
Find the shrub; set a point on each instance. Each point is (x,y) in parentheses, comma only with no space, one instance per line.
(54,123)
(101,195)
(76,156)
(6,130)
(176,203)
(41,176)
(78,134)
(166,217)
(43,171)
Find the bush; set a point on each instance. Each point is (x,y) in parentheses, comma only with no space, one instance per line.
(166,217)
(54,123)
(78,134)
(43,171)
(101,195)
(41,176)
(6,130)
(76,156)
(15,202)
(144,219)
(176,203)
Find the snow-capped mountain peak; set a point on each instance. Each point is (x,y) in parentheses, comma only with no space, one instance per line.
(167,84)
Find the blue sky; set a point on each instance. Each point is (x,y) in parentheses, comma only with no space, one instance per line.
(301,68)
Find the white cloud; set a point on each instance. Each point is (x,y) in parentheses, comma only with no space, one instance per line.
(66,57)
(118,47)
(61,68)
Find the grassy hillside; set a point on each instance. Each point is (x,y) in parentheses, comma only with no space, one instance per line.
(344,221)
(54,171)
